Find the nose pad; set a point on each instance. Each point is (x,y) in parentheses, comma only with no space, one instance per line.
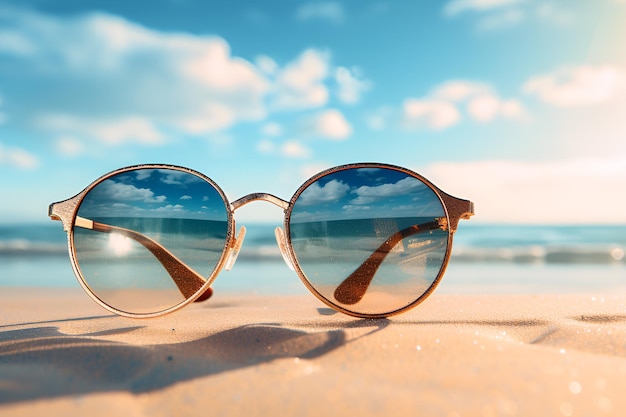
(234,249)
(282,245)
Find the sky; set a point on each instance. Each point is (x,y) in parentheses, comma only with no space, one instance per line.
(517,105)
(154,193)
(366,193)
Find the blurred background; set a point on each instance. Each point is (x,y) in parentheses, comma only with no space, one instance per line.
(518,105)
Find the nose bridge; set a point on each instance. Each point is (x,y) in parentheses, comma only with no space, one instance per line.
(279,234)
(260,196)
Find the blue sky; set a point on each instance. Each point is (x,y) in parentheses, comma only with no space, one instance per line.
(517,105)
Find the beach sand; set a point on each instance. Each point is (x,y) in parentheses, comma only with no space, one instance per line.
(454,355)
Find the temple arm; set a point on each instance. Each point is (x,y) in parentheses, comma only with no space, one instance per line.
(353,288)
(186,279)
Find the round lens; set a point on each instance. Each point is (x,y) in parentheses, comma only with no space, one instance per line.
(147,239)
(369,240)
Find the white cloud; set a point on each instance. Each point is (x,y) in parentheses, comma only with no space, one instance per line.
(442,109)
(170,208)
(367,195)
(330,124)
(211,64)
(272,129)
(431,113)
(131,83)
(110,132)
(578,86)
(330,11)
(142,175)
(350,85)
(482,102)
(503,14)
(331,191)
(504,19)
(178,178)
(133,129)
(110,190)
(485,108)
(290,149)
(562,191)
(266,64)
(17,157)
(456,7)
(188,82)
(210,117)
(300,84)
(69,146)
(460,90)
(294,149)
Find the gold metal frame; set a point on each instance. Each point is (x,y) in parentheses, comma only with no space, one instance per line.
(455,209)
(66,211)
(194,287)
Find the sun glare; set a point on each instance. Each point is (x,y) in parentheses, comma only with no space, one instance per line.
(120,245)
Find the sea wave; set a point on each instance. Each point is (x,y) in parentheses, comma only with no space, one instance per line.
(535,254)
(27,248)
(259,249)
(546,254)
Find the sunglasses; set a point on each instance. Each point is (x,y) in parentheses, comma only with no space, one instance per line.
(369,240)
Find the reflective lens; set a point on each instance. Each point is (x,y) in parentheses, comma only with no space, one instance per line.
(369,240)
(135,230)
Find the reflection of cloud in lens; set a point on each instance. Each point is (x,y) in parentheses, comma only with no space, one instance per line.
(110,190)
(171,177)
(143,174)
(177,208)
(353,208)
(426,208)
(154,193)
(94,208)
(331,191)
(366,194)
(122,206)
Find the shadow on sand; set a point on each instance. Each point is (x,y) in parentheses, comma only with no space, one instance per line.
(88,363)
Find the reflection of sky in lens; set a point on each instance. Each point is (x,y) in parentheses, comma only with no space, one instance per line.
(154,193)
(366,193)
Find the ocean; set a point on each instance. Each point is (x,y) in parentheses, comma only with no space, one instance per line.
(485,259)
